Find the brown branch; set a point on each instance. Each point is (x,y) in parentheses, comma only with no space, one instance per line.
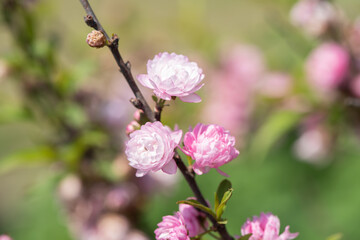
(140,102)
(93,22)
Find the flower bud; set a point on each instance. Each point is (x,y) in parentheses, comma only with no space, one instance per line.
(96,39)
(131,127)
(327,66)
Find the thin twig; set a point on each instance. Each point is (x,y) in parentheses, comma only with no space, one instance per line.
(92,21)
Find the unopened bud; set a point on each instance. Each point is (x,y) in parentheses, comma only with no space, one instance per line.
(131,127)
(96,39)
(138,114)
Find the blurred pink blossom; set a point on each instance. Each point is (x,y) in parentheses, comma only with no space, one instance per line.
(327,66)
(172,228)
(152,148)
(194,220)
(266,227)
(275,85)
(173,75)
(313,16)
(211,146)
(5,237)
(232,89)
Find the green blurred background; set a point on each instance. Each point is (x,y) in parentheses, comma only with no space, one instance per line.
(315,201)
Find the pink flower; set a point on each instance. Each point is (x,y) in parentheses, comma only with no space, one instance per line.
(313,16)
(172,75)
(266,227)
(152,148)
(172,228)
(211,146)
(327,66)
(194,220)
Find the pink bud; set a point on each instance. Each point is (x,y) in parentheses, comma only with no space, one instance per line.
(137,115)
(327,66)
(131,127)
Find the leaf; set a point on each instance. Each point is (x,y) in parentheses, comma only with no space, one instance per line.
(224,200)
(197,205)
(37,155)
(154,98)
(336,236)
(245,237)
(223,221)
(224,186)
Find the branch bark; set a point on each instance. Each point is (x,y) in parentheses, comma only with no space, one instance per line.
(93,22)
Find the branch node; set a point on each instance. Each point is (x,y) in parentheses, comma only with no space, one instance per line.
(128,65)
(89,20)
(114,41)
(137,103)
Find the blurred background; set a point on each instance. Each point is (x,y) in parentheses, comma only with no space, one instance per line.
(281,75)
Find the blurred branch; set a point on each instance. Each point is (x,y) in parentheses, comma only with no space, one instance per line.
(93,22)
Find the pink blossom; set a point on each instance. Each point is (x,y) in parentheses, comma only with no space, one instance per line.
(327,66)
(172,228)
(194,220)
(172,75)
(313,16)
(232,89)
(211,146)
(131,127)
(266,227)
(152,148)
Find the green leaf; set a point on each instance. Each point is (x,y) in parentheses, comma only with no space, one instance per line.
(336,236)
(154,98)
(197,205)
(223,221)
(224,186)
(245,237)
(221,208)
(37,155)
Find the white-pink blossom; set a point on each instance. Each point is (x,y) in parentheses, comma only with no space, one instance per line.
(266,227)
(327,66)
(172,228)
(152,148)
(211,146)
(172,75)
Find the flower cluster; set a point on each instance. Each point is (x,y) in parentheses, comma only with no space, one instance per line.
(172,228)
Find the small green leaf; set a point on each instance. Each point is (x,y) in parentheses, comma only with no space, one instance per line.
(220,209)
(197,205)
(224,186)
(245,237)
(154,98)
